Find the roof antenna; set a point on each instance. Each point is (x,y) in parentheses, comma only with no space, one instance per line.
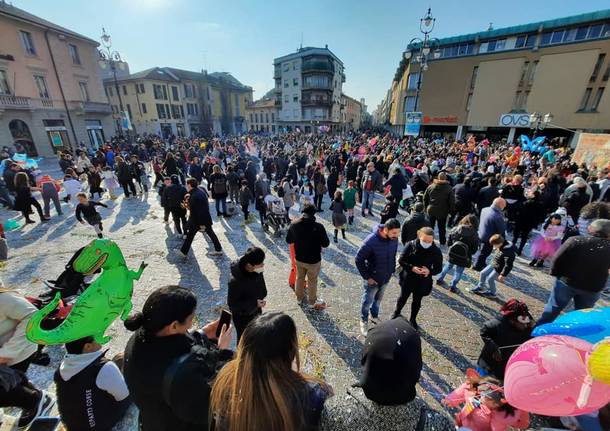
(491,26)
(301,41)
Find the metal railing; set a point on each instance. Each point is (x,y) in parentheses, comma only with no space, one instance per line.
(11,101)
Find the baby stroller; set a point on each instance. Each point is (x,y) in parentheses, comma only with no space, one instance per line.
(277,217)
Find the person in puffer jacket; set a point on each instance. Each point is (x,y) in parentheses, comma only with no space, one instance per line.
(171,201)
(376,262)
(499,268)
(463,244)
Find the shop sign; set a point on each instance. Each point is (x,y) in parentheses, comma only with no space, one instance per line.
(450,119)
(514,120)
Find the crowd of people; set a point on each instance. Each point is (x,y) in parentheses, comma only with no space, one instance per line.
(459,199)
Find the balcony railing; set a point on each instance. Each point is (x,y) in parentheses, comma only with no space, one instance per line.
(316,102)
(317,66)
(317,86)
(14,102)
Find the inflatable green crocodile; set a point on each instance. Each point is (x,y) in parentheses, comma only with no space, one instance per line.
(108,297)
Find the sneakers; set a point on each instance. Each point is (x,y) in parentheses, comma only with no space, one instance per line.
(364,328)
(475,289)
(454,290)
(440,282)
(45,405)
(489,294)
(318,306)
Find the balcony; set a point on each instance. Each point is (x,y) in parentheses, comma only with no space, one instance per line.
(316,101)
(317,86)
(14,102)
(322,66)
(83,108)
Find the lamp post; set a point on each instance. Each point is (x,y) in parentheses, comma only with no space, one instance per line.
(539,121)
(421,50)
(107,55)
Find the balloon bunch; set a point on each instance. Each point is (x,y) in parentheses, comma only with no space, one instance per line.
(565,369)
(534,146)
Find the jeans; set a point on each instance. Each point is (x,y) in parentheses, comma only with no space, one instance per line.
(221,202)
(486,250)
(442,228)
(367,200)
(488,275)
(560,297)
(371,299)
(457,274)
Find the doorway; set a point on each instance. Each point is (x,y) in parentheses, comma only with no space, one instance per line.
(22,138)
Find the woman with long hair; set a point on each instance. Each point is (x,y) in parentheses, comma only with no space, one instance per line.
(262,388)
(167,367)
(24,199)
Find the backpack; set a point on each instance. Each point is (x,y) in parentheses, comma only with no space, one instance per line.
(220,186)
(459,254)
(280,191)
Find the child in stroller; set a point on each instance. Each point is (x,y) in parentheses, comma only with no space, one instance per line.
(277,217)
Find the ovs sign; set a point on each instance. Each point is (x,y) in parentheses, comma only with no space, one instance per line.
(514,120)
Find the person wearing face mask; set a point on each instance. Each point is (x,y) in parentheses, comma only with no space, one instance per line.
(420,260)
(247,289)
(376,262)
(503,335)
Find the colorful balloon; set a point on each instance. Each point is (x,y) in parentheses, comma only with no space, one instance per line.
(599,362)
(591,324)
(11,224)
(545,375)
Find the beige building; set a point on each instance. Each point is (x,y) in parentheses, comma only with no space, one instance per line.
(169,101)
(351,113)
(51,94)
(263,114)
(489,82)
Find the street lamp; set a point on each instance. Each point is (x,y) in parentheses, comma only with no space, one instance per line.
(539,121)
(422,50)
(110,57)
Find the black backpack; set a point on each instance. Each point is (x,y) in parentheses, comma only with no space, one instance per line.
(459,254)
(220,185)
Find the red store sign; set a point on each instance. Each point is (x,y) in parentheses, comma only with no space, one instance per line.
(451,119)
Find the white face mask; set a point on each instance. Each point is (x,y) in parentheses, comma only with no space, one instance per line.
(259,270)
(425,244)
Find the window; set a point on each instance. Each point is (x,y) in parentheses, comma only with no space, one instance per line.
(525,41)
(74,53)
(142,89)
(124,90)
(286,67)
(266,117)
(597,98)
(109,91)
(533,70)
(294,65)
(410,104)
(468,102)
(496,45)
(295,82)
(581,33)
(285,83)
(557,36)
(286,98)
(526,66)
(160,110)
(129,110)
(175,93)
(585,99)
(251,118)
(606,30)
(137,88)
(545,39)
(167,112)
(570,35)
(606,74)
(41,85)
(144,108)
(188,90)
(520,101)
(256,117)
(594,31)
(164,89)
(106,91)
(412,81)
(500,44)
(27,42)
(4,88)
(84,91)
(181,111)
(473,78)
(157,91)
(295,98)
(598,66)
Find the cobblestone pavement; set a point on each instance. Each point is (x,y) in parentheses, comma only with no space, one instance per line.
(330,341)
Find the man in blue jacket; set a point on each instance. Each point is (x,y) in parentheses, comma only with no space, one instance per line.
(376,262)
(492,223)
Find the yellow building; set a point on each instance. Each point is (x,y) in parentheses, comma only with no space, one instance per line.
(51,94)
(490,82)
(169,101)
(351,113)
(262,115)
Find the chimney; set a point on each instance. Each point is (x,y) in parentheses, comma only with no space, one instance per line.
(326,46)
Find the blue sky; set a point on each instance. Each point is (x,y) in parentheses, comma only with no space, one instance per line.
(243,37)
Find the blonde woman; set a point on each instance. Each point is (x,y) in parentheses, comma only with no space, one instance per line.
(262,388)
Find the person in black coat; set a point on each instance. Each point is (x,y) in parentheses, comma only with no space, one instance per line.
(465,196)
(171,201)
(503,335)
(199,219)
(397,183)
(167,368)
(420,260)
(247,290)
(413,223)
(487,194)
(195,170)
(528,215)
(124,176)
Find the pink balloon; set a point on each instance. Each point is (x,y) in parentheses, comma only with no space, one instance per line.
(545,376)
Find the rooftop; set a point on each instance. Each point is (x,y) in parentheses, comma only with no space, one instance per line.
(308,50)
(21,15)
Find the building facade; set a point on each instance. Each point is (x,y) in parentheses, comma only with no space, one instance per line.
(262,116)
(489,82)
(51,93)
(169,101)
(308,87)
(351,113)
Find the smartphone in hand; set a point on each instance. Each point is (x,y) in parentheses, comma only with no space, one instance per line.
(225,319)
